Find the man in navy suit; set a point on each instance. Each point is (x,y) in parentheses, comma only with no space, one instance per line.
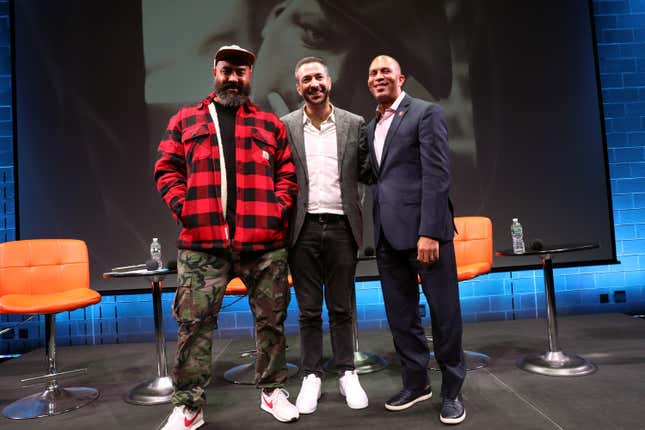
(414,228)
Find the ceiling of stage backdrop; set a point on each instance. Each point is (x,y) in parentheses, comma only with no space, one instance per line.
(96,83)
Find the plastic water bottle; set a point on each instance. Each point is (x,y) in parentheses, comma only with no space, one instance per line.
(155,252)
(517,233)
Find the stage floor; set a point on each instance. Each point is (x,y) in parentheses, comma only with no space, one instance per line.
(500,396)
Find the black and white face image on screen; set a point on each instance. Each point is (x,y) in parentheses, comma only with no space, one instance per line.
(517,82)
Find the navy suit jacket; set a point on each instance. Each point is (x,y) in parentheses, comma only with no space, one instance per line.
(410,196)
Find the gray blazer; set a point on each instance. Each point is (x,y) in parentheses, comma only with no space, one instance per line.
(353,165)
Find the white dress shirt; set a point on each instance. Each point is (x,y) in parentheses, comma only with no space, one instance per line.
(383,125)
(321,151)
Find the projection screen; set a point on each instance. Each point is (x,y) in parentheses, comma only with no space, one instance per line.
(96,83)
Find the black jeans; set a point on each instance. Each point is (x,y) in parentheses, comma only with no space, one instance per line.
(323,260)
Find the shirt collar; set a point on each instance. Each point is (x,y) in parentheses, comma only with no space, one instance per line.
(394,105)
(330,118)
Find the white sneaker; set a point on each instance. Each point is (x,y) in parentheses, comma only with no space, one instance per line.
(310,392)
(183,418)
(278,405)
(350,387)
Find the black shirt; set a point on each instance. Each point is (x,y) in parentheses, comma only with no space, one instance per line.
(226,119)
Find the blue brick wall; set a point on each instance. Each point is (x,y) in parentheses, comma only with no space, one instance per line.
(620,33)
(7,203)
(620,30)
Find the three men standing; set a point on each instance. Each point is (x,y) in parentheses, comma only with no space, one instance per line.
(330,152)
(226,172)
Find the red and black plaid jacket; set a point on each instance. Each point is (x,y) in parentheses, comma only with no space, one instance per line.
(189,181)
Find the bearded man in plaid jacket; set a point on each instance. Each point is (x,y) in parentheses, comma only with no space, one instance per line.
(225,171)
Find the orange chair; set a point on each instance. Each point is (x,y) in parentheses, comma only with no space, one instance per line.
(474,255)
(46,276)
(473,246)
(245,373)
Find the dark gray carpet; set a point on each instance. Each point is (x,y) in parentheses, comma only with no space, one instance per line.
(500,396)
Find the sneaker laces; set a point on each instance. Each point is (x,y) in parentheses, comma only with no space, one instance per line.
(350,376)
(311,377)
(310,381)
(280,395)
(190,413)
(452,405)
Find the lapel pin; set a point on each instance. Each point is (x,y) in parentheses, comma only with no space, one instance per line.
(402,113)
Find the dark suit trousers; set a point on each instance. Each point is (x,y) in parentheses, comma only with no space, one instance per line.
(323,260)
(398,270)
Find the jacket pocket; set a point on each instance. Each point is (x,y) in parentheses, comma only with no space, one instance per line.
(197,142)
(264,147)
(411,199)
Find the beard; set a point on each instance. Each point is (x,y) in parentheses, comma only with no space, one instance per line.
(309,99)
(229,99)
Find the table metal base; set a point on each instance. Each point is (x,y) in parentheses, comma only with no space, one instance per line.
(474,360)
(364,362)
(152,392)
(244,374)
(556,364)
(53,401)
(158,390)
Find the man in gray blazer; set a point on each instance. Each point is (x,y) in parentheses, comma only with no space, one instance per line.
(329,149)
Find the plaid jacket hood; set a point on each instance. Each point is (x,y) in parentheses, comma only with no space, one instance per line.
(188,178)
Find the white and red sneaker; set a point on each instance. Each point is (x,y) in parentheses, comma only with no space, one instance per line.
(183,418)
(278,405)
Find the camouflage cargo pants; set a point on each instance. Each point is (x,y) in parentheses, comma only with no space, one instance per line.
(202,279)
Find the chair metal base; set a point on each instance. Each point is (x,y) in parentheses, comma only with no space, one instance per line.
(244,374)
(53,401)
(556,363)
(474,361)
(156,391)
(9,356)
(364,362)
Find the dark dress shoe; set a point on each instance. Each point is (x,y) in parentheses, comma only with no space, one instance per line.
(452,411)
(406,398)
